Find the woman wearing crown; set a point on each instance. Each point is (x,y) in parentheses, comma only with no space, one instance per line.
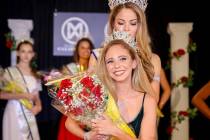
(129,16)
(121,70)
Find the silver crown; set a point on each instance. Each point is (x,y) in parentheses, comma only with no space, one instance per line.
(141,3)
(121,35)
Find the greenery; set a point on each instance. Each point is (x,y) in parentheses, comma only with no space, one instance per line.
(177,117)
(10,41)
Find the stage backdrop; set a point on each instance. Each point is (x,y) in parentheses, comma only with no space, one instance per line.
(70,27)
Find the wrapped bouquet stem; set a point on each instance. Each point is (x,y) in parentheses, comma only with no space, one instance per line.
(84,98)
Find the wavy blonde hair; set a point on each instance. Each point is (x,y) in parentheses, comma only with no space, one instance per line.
(142,37)
(140,81)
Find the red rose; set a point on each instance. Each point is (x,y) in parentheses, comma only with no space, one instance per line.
(68,100)
(59,93)
(85,92)
(180,52)
(96,91)
(92,106)
(170,130)
(87,82)
(66,83)
(77,111)
(184,79)
(63,95)
(84,95)
(9,44)
(183,113)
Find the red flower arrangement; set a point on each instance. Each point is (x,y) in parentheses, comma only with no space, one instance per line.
(83,98)
(192,47)
(10,41)
(179,117)
(184,80)
(179,53)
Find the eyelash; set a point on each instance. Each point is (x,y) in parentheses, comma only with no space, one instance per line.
(123,59)
(133,24)
(108,62)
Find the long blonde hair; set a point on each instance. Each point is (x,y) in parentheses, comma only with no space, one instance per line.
(139,80)
(142,36)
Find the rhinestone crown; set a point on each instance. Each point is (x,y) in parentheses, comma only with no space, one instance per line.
(121,35)
(141,3)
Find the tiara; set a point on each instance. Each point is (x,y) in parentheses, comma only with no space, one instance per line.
(121,35)
(23,40)
(141,3)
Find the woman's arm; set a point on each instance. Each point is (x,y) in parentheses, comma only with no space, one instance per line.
(92,63)
(149,121)
(37,104)
(64,70)
(199,98)
(75,129)
(105,126)
(16,96)
(166,89)
(156,81)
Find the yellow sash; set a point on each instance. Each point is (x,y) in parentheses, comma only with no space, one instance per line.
(113,112)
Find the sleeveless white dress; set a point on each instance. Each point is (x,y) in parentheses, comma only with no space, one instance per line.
(15,126)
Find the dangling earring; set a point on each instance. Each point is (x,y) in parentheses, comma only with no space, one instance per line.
(138,50)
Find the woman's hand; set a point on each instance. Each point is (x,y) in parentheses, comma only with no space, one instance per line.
(37,104)
(29,96)
(104,126)
(36,109)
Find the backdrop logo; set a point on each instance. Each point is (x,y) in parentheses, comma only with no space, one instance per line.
(73,29)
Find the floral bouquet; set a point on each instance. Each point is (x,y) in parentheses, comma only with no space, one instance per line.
(11,86)
(84,97)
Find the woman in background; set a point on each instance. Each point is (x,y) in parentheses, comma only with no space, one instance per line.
(82,53)
(19,122)
(199,100)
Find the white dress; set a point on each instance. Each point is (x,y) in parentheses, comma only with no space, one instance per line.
(15,126)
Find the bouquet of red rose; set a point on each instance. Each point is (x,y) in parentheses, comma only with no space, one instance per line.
(83,97)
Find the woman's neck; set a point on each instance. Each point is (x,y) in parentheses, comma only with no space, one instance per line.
(123,88)
(24,67)
(83,62)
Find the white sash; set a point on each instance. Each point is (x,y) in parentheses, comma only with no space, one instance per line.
(26,119)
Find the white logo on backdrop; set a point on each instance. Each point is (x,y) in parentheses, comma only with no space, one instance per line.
(73,29)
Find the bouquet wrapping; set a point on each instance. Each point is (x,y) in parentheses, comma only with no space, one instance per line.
(11,86)
(84,97)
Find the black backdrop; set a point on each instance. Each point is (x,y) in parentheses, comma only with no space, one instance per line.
(159,14)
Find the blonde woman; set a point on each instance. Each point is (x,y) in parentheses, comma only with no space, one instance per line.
(121,70)
(129,16)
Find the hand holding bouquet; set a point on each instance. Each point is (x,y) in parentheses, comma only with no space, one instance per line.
(84,98)
(11,86)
